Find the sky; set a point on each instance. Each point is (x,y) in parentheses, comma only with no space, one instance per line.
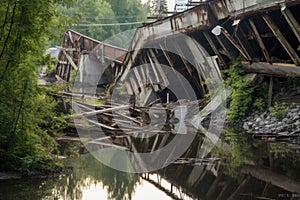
(171,4)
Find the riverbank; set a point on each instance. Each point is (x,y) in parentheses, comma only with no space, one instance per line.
(281,120)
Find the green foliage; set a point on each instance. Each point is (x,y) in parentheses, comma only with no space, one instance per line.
(128,11)
(259,103)
(27,114)
(158,9)
(104,12)
(279,110)
(241,96)
(239,153)
(73,76)
(261,96)
(279,150)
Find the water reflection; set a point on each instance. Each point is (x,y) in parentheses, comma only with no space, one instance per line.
(237,168)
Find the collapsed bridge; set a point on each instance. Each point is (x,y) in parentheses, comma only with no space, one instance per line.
(264,33)
(198,43)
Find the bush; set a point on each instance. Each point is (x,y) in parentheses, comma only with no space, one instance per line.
(279,110)
(241,96)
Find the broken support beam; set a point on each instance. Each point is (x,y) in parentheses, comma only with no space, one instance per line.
(291,21)
(69,59)
(292,53)
(86,114)
(275,69)
(260,41)
(215,49)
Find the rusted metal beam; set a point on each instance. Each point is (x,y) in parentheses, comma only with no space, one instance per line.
(288,15)
(271,24)
(260,41)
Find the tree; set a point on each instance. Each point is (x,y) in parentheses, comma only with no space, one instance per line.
(25,110)
(113,12)
(89,14)
(159,7)
(128,11)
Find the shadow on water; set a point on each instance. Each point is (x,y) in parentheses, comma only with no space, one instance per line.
(237,168)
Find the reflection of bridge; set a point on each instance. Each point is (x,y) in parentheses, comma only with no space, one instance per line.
(205,178)
(209,186)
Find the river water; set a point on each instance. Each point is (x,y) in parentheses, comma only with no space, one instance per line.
(248,170)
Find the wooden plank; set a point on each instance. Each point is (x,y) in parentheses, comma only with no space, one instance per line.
(275,69)
(66,49)
(130,118)
(70,60)
(260,41)
(71,37)
(271,24)
(167,56)
(270,96)
(293,23)
(158,66)
(107,145)
(153,68)
(101,125)
(128,88)
(134,86)
(91,113)
(62,62)
(235,43)
(244,43)
(215,49)
(138,77)
(224,50)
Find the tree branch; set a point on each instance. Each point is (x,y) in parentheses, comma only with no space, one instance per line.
(10,29)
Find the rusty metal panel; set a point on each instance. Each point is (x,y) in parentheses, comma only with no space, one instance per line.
(219,9)
(243,6)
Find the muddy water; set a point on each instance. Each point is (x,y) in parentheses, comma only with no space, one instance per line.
(237,168)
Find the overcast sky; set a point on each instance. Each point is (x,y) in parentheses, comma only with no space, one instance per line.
(171,4)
